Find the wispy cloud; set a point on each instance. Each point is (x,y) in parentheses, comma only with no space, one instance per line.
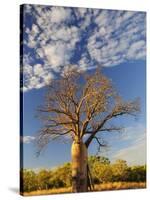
(59,36)
(134,148)
(27,139)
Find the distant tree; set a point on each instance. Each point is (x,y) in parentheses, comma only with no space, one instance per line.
(79,105)
(102,172)
(43,179)
(29,180)
(61,176)
(65,174)
(137,173)
(103,160)
(120,170)
(56,180)
(100,159)
(100,169)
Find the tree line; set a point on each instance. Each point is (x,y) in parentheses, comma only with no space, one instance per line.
(101,169)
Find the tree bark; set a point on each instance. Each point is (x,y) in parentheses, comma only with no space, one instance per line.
(79,167)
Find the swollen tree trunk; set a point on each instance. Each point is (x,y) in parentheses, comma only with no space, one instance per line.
(79,167)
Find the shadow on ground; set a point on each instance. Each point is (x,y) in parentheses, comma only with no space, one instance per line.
(14,190)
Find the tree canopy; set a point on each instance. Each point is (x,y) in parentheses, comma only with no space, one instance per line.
(80,104)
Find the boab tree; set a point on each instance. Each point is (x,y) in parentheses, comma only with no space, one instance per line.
(81,106)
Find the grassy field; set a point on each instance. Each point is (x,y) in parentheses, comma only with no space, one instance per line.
(100,187)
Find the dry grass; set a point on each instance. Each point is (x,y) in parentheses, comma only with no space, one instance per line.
(119,186)
(46,192)
(100,187)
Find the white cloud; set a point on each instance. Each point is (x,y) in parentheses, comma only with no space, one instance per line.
(135,48)
(59,14)
(28,8)
(105,37)
(34,30)
(125,41)
(27,139)
(32,42)
(69,67)
(47,78)
(27,70)
(102,31)
(27,58)
(135,154)
(55,53)
(24,89)
(85,64)
(135,149)
(36,77)
(82,12)
(38,69)
(102,18)
(34,81)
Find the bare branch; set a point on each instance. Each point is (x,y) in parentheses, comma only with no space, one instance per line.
(100,143)
(79,104)
(108,129)
(128,108)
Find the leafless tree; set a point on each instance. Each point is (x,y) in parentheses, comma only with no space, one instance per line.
(81,106)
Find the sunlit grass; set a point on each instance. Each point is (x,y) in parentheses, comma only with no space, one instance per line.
(119,186)
(50,191)
(100,187)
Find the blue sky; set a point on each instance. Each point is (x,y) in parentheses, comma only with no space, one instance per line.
(55,38)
